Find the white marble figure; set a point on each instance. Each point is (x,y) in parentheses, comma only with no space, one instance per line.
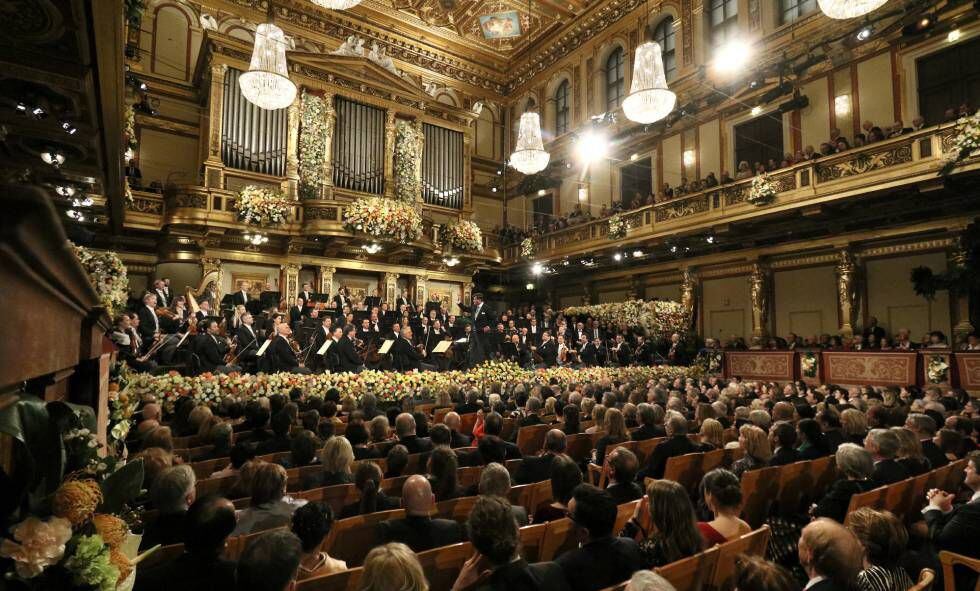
(208,22)
(353,46)
(477,108)
(379,56)
(430,88)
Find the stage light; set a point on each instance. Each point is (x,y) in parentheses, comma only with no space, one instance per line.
(617,257)
(22,107)
(255,238)
(84,202)
(953,36)
(493,189)
(591,146)
(144,87)
(38,112)
(583,194)
(673,249)
(65,190)
(732,56)
(842,105)
(53,157)
(637,254)
(537,269)
(68,127)
(756,111)
(634,157)
(588,262)
(451,261)
(499,172)
(710,239)
(864,33)
(529,287)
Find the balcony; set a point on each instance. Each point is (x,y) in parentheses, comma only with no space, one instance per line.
(911,160)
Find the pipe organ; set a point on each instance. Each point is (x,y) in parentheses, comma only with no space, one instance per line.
(442,167)
(252,139)
(358,155)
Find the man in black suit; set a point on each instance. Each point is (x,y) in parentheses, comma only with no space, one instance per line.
(456,439)
(405,356)
(149,325)
(211,350)
(373,301)
(472,403)
(643,355)
(350,361)
(677,445)
(172,493)
(341,299)
(538,468)
(648,423)
(548,350)
(830,555)
(160,290)
(782,438)
(955,528)
(418,530)
(282,358)
(248,341)
(296,312)
(924,428)
(883,445)
(604,559)
(675,353)
(320,363)
(622,472)
(405,429)
(494,535)
(306,295)
(240,297)
(531,409)
(623,352)
(588,352)
(482,319)
(829,421)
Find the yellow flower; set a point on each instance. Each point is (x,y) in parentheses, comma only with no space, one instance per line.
(76,500)
(120,561)
(112,529)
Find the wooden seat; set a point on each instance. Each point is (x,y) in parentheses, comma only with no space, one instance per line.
(623,514)
(532,536)
(393,486)
(455,509)
(692,573)
(793,480)
(439,415)
(442,565)
(467,422)
(824,473)
(338,496)
(193,453)
(644,448)
(274,458)
(898,498)
(753,543)
(162,555)
(950,560)
(352,538)
(508,429)
(578,446)
(214,486)
(205,468)
(238,544)
(469,475)
(712,459)
(531,439)
(759,489)
(874,498)
(955,476)
(561,536)
(917,496)
(685,470)
(926,578)
(345,580)
(513,466)
(531,496)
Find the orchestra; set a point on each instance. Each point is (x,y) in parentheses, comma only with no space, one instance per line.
(202,331)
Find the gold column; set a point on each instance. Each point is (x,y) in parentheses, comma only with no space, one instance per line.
(587,293)
(390,154)
(291,284)
(389,282)
(759,284)
(292,149)
(689,293)
(959,258)
(847,292)
(468,293)
(212,163)
(326,279)
(326,188)
(421,290)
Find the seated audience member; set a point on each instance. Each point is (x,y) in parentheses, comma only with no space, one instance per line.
(650,427)
(336,458)
(302,451)
(677,444)
(396,461)
(270,562)
(281,424)
(538,468)
(603,559)
(950,442)
(883,446)
(854,468)
(455,423)
(442,474)
(910,454)
(830,556)
(854,425)
(565,477)
(673,532)
(495,481)
(269,506)
(405,427)
(172,493)
(493,532)
(758,574)
(440,435)
(812,440)
(201,567)
(954,528)
(924,427)
(614,428)
(754,442)
(356,434)
(418,530)
(571,420)
(367,480)
(722,495)
(493,424)
(622,466)
(220,436)
(392,567)
(311,524)
(711,435)
(782,437)
(884,539)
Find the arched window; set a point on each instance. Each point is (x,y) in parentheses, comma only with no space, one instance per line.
(795,9)
(664,35)
(723,21)
(561,108)
(615,80)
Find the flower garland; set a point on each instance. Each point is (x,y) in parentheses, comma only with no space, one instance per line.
(938,369)
(762,191)
(262,205)
(130,132)
(107,273)
(809,364)
(464,235)
(386,386)
(408,157)
(128,193)
(658,318)
(312,144)
(122,404)
(384,219)
(527,247)
(965,142)
(618,226)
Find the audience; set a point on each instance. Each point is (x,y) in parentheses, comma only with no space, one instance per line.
(884,540)
(392,567)
(270,562)
(722,495)
(565,478)
(418,530)
(495,482)
(311,524)
(665,525)
(172,494)
(854,469)
(830,555)
(269,506)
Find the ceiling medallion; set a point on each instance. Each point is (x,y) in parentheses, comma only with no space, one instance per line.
(267,84)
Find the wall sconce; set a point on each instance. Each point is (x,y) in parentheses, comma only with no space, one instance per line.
(689,158)
(583,194)
(842,105)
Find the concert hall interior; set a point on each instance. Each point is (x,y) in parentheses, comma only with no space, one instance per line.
(408,295)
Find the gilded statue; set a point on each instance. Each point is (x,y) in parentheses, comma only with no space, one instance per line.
(759,288)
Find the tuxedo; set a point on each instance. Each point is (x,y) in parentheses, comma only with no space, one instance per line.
(372,302)
(675,354)
(405,356)
(956,531)
(350,361)
(888,472)
(210,351)
(247,337)
(305,295)
(549,353)
(341,300)
(399,302)
(162,298)
(149,322)
(295,315)
(624,356)
(677,445)
(643,354)
(784,456)
(240,298)
(589,354)
(534,333)
(319,362)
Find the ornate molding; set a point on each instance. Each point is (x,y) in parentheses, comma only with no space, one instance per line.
(863,162)
(682,208)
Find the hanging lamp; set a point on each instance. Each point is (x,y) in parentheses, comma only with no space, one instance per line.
(845,9)
(336,4)
(267,84)
(649,99)
(529,155)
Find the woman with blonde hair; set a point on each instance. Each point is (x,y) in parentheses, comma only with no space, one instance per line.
(336,458)
(712,435)
(392,567)
(755,442)
(854,425)
(910,452)
(598,417)
(884,539)
(614,426)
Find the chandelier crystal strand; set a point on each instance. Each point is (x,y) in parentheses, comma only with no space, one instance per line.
(845,9)
(267,84)
(336,4)
(649,99)
(529,156)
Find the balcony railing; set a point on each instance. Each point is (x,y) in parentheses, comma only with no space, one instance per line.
(912,158)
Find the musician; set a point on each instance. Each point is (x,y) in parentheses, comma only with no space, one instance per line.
(533,330)
(402,300)
(240,297)
(374,325)
(517,352)
(128,343)
(595,332)
(296,311)
(432,305)
(525,338)
(160,290)
(149,325)
(643,355)
(498,339)
(211,351)
(580,333)
(320,336)
(180,309)
(675,351)
(209,295)
(548,350)
(282,357)
(204,310)
(622,352)
(589,352)
(566,355)
(349,360)
(341,301)
(482,321)
(248,341)
(166,288)
(306,295)
(452,328)
(373,301)
(406,356)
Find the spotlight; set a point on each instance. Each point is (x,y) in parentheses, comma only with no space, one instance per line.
(65,190)
(53,157)
(953,36)
(710,239)
(256,238)
(537,269)
(499,172)
(69,128)
(591,146)
(588,262)
(634,157)
(529,287)
(83,202)
(22,107)
(864,33)
(637,254)
(75,215)
(732,56)
(756,111)
(493,189)
(617,257)
(583,194)
(673,249)
(373,248)
(565,263)
(689,158)
(144,87)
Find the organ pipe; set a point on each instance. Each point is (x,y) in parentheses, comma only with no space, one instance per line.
(442,167)
(358,147)
(252,139)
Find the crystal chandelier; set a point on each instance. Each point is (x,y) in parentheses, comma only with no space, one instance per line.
(649,99)
(845,9)
(256,238)
(337,4)
(267,84)
(529,156)
(450,261)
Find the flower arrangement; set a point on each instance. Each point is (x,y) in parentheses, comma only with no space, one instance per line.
(408,159)
(618,226)
(762,191)
(386,386)
(107,273)
(658,318)
(464,235)
(130,132)
(385,219)
(527,247)
(122,404)
(965,142)
(312,144)
(809,364)
(938,369)
(262,205)
(127,193)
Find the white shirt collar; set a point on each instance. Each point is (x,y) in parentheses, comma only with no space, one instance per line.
(814,581)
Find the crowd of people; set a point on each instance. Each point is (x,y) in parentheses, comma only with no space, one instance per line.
(877,436)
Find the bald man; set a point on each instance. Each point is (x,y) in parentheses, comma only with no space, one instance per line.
(418,530)
(457,439)
(830,555)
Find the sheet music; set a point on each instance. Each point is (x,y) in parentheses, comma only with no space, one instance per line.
(326,345)
(442,347)
(262,349)
(461,341)
(386,346)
